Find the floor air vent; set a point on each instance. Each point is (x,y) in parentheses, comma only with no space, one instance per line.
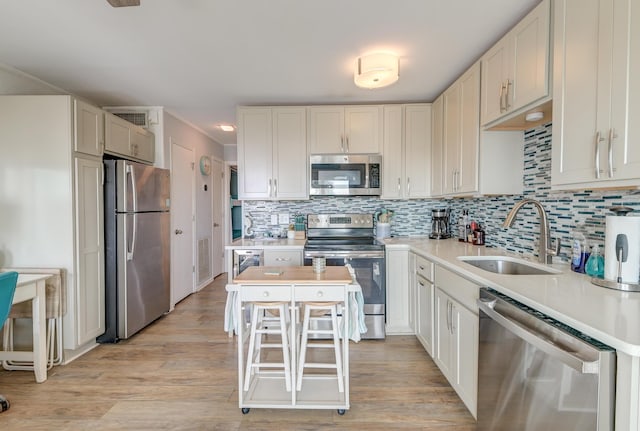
(204,266)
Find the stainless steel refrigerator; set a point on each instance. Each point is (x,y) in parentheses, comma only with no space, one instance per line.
(137,224)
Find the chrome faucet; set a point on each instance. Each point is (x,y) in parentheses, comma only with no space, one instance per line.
(545,254)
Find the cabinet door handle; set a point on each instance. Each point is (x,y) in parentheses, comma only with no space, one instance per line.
(502,108)
(347,141)
(269,188)
(275,187)
(612,136)
(448,315)
(507,105)
(597,155)
(408,186)
(398,184)
(342,143)
(283,259)
(453,326)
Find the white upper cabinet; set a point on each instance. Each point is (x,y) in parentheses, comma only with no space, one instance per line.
(125,139)
(515,71)
(407,151)
(272,153)
(89,136)
(353,129)
(461,131)
(437,147)
(596,99)
(463,159)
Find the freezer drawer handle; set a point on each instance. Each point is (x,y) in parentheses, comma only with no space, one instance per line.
(538,340)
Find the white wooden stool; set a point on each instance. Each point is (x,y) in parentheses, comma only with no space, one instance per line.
(262,324)
(309,318)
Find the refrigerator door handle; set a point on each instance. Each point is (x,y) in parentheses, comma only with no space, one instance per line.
(134,193)
(134,234)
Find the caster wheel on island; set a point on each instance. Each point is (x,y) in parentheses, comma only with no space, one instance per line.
(245,410)
(341,412)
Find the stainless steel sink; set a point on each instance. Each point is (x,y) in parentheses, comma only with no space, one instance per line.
(507,265)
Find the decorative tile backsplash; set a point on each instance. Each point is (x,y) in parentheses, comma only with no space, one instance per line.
(583,211)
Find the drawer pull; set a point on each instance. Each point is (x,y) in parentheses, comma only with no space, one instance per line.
(319,294)
(265,293)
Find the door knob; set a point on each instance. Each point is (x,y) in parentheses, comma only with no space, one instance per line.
(216,225)
(178,231)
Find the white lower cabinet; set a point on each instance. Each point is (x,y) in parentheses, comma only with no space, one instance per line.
(424,302)
(398,315)
(89,253)
(456,334)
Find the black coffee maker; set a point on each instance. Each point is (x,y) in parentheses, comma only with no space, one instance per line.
(440,223)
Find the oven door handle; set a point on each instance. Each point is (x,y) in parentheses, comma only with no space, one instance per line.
(344,254)
(538,339)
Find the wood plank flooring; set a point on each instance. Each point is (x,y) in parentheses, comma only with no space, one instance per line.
(180,373)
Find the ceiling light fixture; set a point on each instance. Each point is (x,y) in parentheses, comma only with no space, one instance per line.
(226,128)
(376,70)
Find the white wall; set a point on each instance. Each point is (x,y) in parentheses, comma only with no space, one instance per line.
(176,130)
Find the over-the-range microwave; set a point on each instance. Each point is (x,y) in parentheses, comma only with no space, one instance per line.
(345,175)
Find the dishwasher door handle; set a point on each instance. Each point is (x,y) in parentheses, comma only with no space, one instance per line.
(539,340)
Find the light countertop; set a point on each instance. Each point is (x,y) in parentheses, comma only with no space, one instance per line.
(260,243)
(610,316)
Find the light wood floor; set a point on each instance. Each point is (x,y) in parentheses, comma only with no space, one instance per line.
(180,373)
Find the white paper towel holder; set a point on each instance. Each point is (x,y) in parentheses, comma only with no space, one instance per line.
(613,284)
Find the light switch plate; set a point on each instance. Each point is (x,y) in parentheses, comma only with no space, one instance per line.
(274,219)
(283,218)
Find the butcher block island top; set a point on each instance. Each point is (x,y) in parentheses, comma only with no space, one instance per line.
(293,275)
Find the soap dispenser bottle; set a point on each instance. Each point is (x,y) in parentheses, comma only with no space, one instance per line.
(595,263)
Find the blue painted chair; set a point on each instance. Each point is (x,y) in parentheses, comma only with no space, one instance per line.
(8,281)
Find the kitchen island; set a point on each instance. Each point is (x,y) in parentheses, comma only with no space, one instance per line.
(293,285)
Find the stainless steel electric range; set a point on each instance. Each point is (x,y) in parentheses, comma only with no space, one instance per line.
(349,239)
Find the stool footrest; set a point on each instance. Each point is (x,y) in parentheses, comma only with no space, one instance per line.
(319,365)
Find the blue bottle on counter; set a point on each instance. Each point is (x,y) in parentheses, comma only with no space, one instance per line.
(580,253)
(595,264)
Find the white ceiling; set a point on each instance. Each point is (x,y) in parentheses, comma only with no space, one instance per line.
(201,58)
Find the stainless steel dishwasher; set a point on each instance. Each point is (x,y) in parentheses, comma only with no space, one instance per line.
(535,373)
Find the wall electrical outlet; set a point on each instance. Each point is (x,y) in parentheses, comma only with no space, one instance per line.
(283,218)
(274,219)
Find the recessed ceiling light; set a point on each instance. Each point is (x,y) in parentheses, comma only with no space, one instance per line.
(226,128)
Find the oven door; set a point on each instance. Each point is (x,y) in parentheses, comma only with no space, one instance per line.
(369,268)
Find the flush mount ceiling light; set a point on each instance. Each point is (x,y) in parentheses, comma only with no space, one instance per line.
(226,128)
(376,70)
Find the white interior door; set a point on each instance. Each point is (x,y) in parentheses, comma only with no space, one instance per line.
(182,221)
(218,190)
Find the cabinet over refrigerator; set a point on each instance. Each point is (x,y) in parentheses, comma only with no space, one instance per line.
(137,225)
